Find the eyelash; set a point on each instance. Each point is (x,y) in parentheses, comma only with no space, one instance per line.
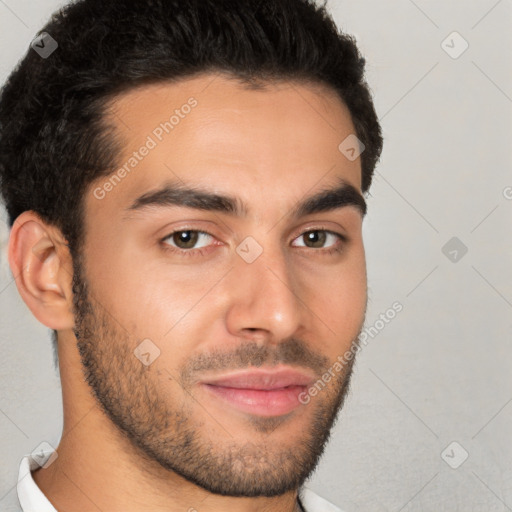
(337,248)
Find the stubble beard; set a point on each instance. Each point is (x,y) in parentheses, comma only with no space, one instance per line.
(168,434)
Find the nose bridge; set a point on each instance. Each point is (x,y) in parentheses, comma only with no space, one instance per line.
(265,293)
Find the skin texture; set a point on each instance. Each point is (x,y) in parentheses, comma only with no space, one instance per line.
(151,437)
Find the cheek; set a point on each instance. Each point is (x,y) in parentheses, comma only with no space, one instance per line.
(157,301)
(340,300)
(124,288)
(343,305)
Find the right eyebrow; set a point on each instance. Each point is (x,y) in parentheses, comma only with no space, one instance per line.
(177,194)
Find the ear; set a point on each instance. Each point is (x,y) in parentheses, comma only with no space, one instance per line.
(42,267)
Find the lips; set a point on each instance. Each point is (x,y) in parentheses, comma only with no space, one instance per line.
(263,392)
(263,379)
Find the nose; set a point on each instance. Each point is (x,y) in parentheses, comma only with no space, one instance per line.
(264,299)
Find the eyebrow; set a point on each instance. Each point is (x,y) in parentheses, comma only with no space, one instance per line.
(177,194)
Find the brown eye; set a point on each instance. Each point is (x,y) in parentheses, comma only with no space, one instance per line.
(185,239)
(315,239)
(320,239)
(188,239)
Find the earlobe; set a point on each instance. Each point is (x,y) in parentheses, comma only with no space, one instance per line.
(40,263)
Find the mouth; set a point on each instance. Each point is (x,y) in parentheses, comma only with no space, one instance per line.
(263,392)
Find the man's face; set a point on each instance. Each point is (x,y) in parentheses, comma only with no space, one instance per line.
(199,344)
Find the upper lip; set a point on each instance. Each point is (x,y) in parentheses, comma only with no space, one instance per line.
(265,379)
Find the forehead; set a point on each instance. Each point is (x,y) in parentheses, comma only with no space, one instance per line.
(222,91)
(213,131)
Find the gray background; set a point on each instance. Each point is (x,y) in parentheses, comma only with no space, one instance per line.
(439,372)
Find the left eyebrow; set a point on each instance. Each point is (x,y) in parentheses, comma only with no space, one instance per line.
(177,194)
(332,199)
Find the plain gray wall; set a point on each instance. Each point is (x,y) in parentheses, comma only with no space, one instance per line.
(439,372)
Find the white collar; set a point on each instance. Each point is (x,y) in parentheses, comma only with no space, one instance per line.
(31,497)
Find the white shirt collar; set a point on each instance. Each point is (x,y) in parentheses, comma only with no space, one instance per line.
(30,496)
(314,503)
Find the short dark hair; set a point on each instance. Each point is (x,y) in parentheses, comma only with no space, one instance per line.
(54,140)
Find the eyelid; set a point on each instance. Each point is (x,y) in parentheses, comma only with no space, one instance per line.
(329,231)
(321,227)
(183,229)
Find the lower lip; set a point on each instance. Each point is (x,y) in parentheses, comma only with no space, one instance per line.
(275,402)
